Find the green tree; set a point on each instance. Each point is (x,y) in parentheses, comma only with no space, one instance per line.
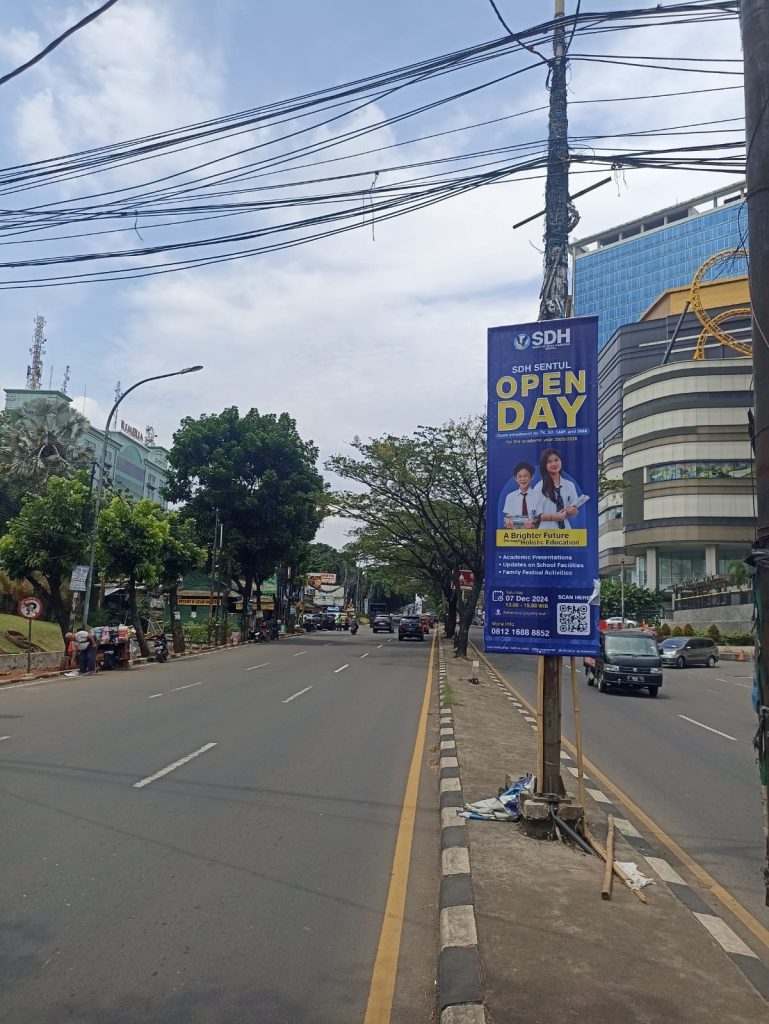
(179,553)
(737,572)
(688,629)
(261,476)
(45,437)
(714,632)
(47,539)
(424,495)
(131,540)
(640,604)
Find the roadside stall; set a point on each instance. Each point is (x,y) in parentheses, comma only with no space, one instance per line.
(113,647)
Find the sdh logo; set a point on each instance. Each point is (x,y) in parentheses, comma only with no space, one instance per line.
(549,338)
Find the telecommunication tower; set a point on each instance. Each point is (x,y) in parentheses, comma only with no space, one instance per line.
(118,393)
(35,368)
(65,382)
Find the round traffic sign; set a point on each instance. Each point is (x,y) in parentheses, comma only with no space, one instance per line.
(30,607)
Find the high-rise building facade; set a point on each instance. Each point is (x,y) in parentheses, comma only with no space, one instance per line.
(619,273)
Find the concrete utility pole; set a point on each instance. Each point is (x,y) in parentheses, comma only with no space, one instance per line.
(555,283)
(755,48)
(553,299)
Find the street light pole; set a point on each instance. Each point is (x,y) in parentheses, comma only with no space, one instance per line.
(622,590)
(100,488)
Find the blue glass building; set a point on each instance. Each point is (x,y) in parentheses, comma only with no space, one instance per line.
(619,273)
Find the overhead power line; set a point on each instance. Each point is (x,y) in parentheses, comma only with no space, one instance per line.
(58,41)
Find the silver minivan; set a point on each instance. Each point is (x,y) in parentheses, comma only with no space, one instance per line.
(682,651)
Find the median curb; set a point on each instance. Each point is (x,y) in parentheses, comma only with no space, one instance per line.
(460,979)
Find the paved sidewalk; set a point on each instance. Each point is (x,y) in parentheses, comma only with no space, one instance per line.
(550,949)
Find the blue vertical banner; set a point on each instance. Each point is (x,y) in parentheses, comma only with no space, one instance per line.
(542,513)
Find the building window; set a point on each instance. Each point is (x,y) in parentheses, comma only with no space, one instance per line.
(639,573)
(728,555)
(682,566)
(609,514)
(704,470)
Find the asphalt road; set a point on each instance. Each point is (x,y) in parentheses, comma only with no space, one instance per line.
(695,775)
(247,883)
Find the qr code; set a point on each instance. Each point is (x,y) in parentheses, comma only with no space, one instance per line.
(573,619)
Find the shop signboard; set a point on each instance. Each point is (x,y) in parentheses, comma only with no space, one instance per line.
(319,579)
(541,591)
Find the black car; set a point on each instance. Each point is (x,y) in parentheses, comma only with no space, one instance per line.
(383,623)
(628,659)
(410,626)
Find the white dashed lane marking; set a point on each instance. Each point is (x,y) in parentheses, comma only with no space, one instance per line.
(172,767)
(709,728)
(264,664)
(295,695)
(340,669)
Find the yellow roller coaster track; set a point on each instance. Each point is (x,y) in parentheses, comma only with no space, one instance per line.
(711,325)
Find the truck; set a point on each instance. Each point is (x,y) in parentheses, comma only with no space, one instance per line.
(376,608)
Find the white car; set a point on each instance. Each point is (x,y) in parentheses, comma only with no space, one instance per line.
(617,622)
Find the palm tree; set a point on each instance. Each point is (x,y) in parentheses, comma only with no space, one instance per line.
(43,438)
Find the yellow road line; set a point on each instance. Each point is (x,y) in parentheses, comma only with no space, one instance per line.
(380,997)
(754,926)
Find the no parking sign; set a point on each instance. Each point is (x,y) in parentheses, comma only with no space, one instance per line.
(30,608)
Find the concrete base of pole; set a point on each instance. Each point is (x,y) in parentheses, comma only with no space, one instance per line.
(536,819)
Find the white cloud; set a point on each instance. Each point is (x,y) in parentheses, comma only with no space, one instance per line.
(349,335)
(128,74)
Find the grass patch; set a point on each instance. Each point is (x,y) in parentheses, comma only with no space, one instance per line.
(450,698)
(45,634)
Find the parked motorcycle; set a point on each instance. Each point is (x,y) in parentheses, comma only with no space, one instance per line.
(161,648)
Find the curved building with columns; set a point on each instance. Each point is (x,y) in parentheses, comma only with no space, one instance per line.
(685,459)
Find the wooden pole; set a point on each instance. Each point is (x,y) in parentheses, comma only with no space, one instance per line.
(540,729)
(598,847)
(577,732)
(609,872)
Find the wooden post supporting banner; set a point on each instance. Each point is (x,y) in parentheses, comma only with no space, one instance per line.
(577,732)
(609,872)
(540,728)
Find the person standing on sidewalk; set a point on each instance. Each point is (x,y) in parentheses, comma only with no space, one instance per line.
(85,645)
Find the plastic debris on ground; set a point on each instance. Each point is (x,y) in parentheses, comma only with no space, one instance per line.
(635,879)
(505,807)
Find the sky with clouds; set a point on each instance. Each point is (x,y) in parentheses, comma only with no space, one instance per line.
(377,330)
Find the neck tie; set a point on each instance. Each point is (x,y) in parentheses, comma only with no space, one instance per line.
(559,507)
(524,507)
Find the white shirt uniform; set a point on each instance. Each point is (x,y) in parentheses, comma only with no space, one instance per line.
(514,503)
(547,507)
